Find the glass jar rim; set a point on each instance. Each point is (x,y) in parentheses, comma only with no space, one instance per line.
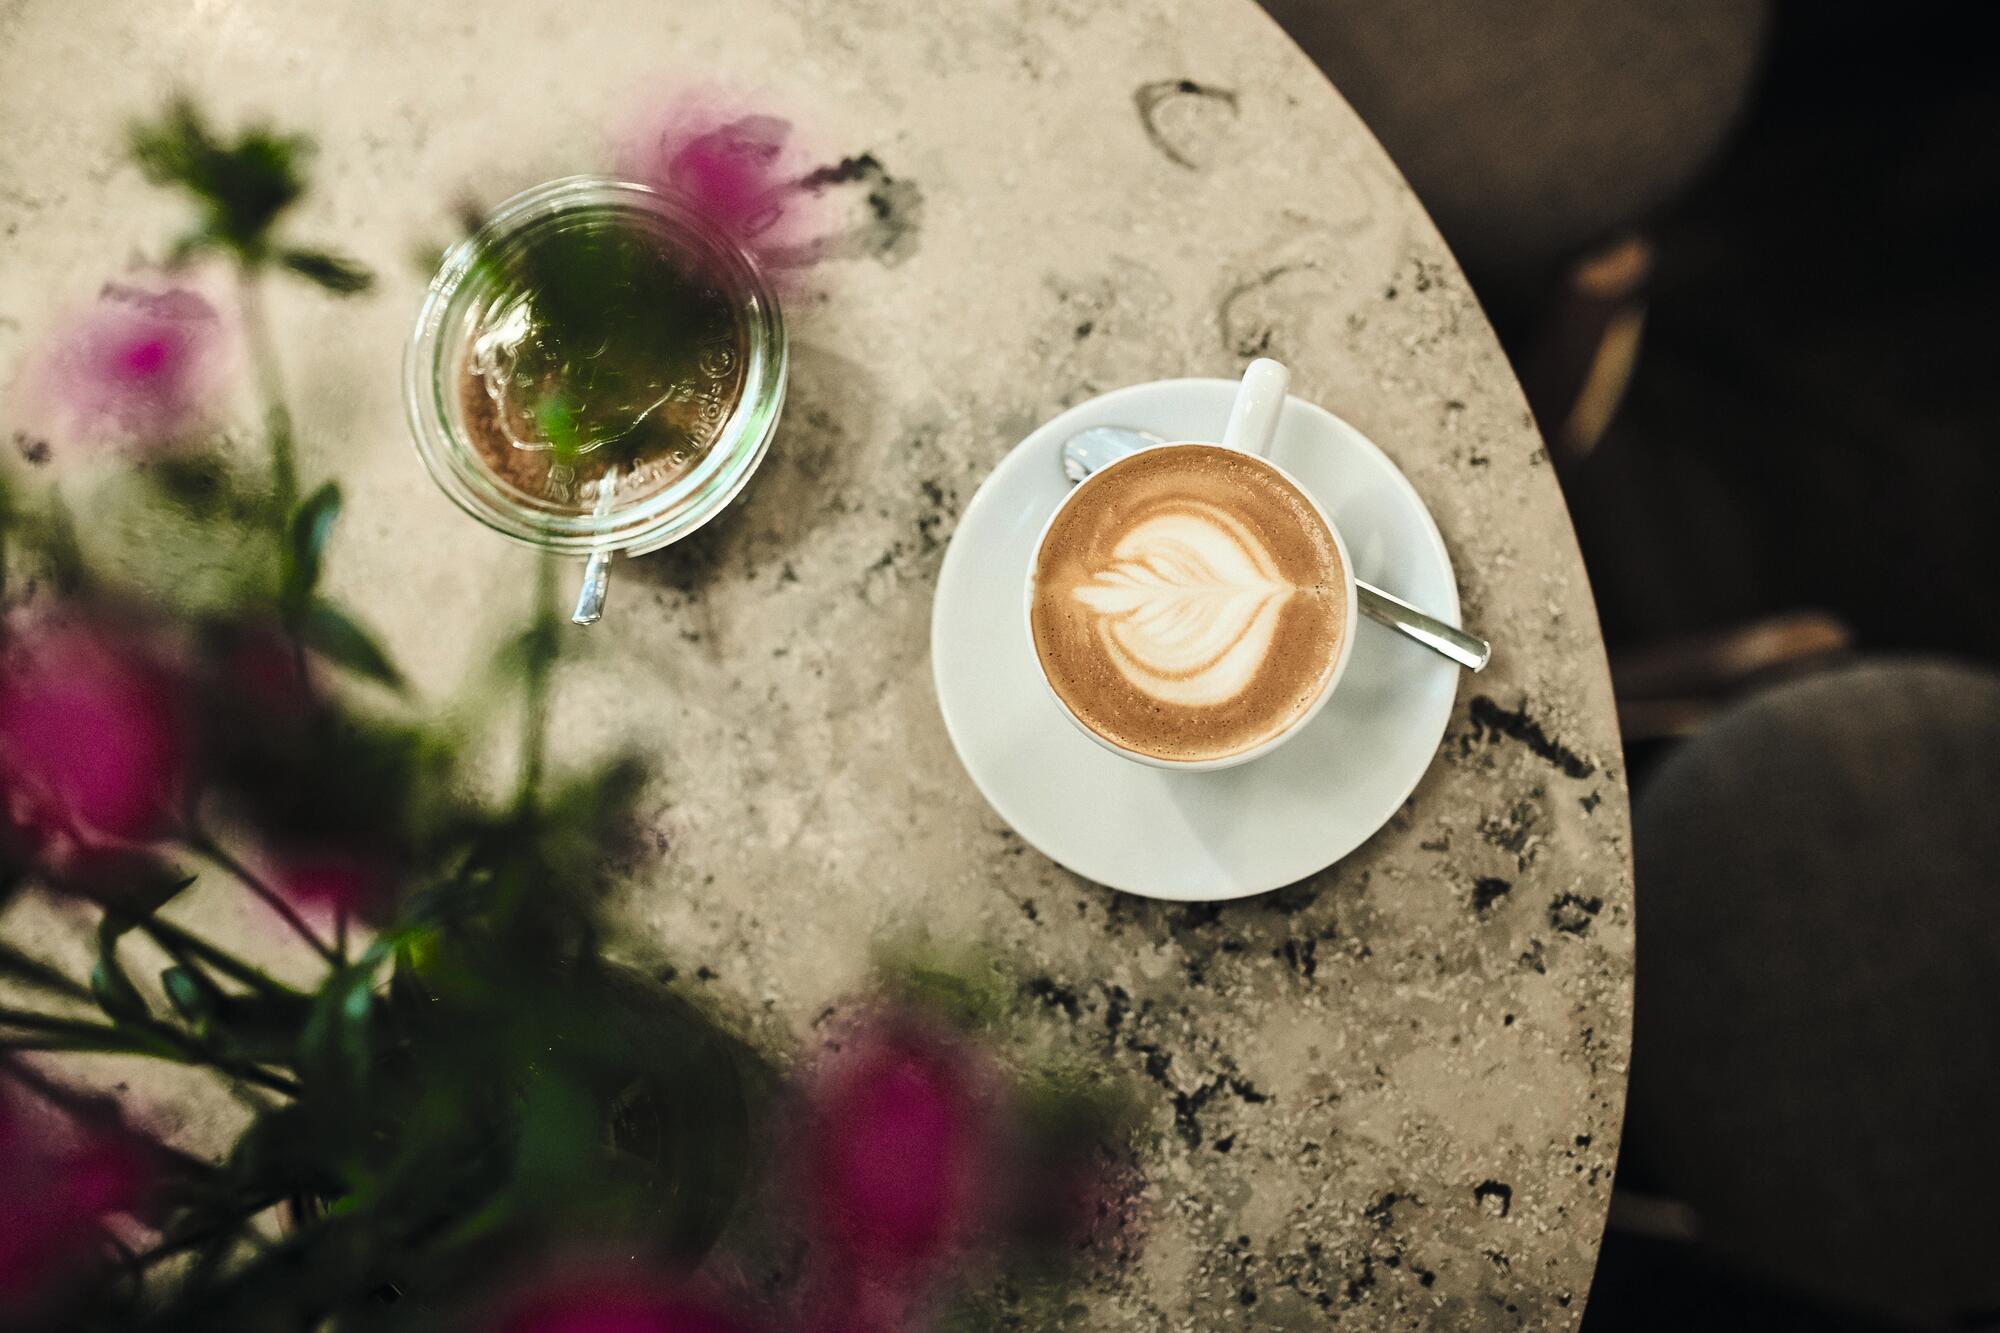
(653,521)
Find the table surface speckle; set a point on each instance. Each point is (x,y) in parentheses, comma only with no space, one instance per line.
(1390,1093)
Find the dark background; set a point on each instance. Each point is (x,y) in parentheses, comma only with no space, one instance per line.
(1812,419)
(1807,435)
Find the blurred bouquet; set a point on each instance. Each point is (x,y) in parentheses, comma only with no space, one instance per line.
(464,1116)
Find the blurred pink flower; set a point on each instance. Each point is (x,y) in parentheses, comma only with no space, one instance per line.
(59,1181)
(105,874)
(609,1302)
(260,665)
(738,167)
(899,1158)
(143,363)
(333,879)
(92,735)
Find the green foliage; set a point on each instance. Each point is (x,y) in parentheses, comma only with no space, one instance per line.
(34,974)
(189,533)
(625,328)
(467,1077)
(114,990)
(961,987)
(242,187)
(475,1074)
(191,994)
(334,635)
(306,535)
(342,277)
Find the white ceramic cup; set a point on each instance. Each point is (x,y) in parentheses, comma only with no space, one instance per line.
(1253,424)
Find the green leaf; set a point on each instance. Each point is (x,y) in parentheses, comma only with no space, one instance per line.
(557,418)
(34,974)
(529,653)
(263,1029)
(192,995)
(276,1150)
(342,277)
(143,884)
(305,542)
(24,1031)
(116,995)
(98,1040)
(331,633)
(149,885)
(187,948)
(62,549)
(336,1048)
(242,187)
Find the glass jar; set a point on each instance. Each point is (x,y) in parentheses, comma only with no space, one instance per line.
(557,509)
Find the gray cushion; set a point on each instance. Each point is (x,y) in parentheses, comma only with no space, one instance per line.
(1529,129)
(1817,1057)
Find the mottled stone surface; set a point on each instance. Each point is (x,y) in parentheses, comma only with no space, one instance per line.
(1390,1093)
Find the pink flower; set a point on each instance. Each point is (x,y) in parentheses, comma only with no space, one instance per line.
(142,363)
(899,1157)
(59,1181)
(737,167)
(107,874)
(333,879)
(609,1302)
(92,736)
(260,666)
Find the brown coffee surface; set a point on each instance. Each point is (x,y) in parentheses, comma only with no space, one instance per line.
(1189,603)
(687,429)
(618,327)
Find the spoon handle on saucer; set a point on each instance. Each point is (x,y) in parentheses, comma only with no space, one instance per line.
(1468,651)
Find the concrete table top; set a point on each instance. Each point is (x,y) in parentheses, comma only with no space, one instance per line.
(1390,1093)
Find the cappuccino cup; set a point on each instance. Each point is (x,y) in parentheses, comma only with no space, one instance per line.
(1191,606)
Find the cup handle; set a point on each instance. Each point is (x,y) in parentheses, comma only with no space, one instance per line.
(1253,417)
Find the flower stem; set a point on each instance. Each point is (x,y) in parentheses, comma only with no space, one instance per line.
(184,945)
(131,1037)
(201,844)
(167,1248)
(539,666)
(19,967)
(270,384)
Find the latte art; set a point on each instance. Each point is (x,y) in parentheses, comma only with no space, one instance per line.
(1189,603)
(1188,610)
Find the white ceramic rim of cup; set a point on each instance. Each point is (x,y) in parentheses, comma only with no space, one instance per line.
(1270,743)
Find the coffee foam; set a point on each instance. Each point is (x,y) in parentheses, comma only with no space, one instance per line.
(1189,603)
(1187,609)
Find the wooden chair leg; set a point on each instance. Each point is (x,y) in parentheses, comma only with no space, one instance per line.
(1581,362)
(1671,689)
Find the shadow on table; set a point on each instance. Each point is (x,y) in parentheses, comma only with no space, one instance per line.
(826,439)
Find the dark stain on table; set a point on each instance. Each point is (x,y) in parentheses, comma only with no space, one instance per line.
(1247,334)
(1494,1197)
(886,233)
(1488,890)
(1517,831)
(1571,913)
(1151,97)
(1490,722)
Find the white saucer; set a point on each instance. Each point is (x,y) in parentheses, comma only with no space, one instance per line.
(1193,836)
